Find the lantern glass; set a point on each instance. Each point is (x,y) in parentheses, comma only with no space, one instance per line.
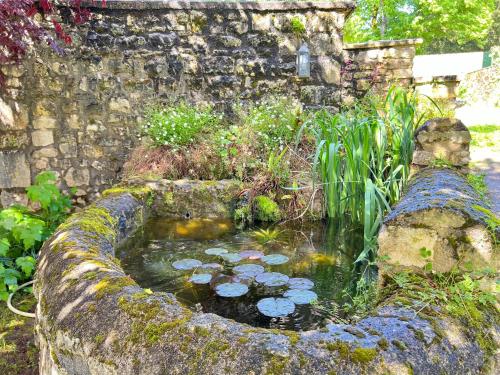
(303,62)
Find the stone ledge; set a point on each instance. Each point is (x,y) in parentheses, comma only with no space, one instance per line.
(346,5)
(383,44)
(438,79)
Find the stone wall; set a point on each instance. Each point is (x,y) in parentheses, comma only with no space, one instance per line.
(377,65)
(79,114)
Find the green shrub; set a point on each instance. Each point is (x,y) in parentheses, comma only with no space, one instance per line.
(266,209)
(22,231)
(275,120)
(179,125)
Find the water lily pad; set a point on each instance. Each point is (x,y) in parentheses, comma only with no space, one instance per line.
(300,296)
(212,267)
(216,251)
(251,254)
(186,264)
(275,259)
(300,283)
(276,307)
(231,257)
(251,270)
(201,278)
(231,289)
(272,279)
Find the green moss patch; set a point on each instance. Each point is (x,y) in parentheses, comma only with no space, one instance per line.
(266,210)
(94,220)
(357,355)
(112,285)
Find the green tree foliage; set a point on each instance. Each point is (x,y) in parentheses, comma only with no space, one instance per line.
(445,25)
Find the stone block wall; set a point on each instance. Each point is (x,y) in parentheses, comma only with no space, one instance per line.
(79,114)
(377,65)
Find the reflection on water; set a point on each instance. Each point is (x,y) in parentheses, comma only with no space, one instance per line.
(320,251)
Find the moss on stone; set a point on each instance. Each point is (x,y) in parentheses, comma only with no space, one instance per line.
(339,346)
(363,355)
(168,198)
(383,343)
(99,339)
(355,332)
(266,210)
(399,344)
(357,355)
(243,340)
(90,275)
(112,285)
(142,310)
(201,331)
(373,332)
(302,360)
(93,220)
(276,365)
(140,192)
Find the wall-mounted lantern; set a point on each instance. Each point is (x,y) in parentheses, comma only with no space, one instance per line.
(303,62)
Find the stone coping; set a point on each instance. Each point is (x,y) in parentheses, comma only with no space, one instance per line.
(346,5)
(384,44)
(439,79)
(94,319)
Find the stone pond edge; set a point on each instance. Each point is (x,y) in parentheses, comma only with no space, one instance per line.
(93,319)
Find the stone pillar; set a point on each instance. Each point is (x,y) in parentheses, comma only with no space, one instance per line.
(440,142)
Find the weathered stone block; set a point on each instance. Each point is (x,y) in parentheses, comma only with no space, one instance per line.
(261,22)
(440,212)
(8,198)
(42,138)
(329,70)
(44,122)
(120,105)
(442,138)
(6,116)
(15,170)
(77,177)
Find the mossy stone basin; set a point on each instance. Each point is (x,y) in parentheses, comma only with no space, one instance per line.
(94,319)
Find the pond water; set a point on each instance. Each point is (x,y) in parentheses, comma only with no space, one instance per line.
(296,279)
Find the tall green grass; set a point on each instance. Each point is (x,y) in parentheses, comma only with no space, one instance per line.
(363,158)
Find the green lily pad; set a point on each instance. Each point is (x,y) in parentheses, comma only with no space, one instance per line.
(272,279)
(232,257)
(201,278)
(251,270)
(231,289)
(275,259)
(216,251)
(186,264)
(275,307)
(300,283)
(300,296)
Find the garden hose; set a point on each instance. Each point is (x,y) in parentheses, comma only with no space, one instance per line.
(13,309)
